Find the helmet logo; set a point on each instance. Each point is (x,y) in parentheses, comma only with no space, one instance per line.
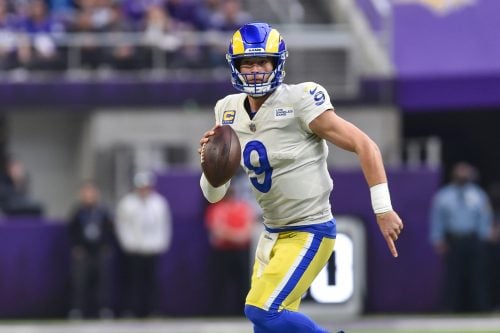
(254,50)
(442,7)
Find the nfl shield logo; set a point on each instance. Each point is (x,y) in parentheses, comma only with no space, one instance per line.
(252,127)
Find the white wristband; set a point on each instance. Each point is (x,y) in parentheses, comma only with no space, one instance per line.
(213,194)
(381,199)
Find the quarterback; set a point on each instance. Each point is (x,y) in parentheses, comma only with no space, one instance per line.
(282,131)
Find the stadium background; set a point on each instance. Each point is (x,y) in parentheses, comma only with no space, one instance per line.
(421,77)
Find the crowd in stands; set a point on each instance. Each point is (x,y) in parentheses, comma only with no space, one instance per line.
(36,34)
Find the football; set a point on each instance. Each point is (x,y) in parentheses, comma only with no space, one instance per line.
(221,155)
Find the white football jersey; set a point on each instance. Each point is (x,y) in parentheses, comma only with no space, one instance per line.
(284,160)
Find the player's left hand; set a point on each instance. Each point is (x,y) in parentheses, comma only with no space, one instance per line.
(390,225)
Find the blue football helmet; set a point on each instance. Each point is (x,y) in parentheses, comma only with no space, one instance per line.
(257,40)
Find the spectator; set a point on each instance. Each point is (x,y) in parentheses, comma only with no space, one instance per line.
(494,248)
(159,34)
(230,223)
(8,46)
(143,226)
(94,16)
(461,221)
(231,16)
(63,10)
(38,48)
(184,12)
(205,13)
(188,54)
(122,54)
(91,236)
(15,196)
(136,11)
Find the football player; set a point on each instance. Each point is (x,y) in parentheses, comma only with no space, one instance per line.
(282,130)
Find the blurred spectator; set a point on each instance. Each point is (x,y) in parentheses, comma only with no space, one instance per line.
(8,45)
(189,54)
(231,16)
(230,223)
(205,13)
(37,47)
(143,226)
(20,7)
(15,196)
(136,11)
(122,54)
(494,249)
(157,23)
(159,34)
(461,222)
(93,16)
(91,238)
(43,26)
(63,10)
(184,12)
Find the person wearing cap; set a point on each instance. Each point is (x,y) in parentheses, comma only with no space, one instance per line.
(143,228)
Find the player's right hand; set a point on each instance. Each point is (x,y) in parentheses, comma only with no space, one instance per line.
(206,136)
(390,225)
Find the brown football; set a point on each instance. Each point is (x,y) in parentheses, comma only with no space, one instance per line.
(221,156)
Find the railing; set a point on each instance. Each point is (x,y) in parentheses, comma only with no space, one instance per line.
(422,151)
(304,43)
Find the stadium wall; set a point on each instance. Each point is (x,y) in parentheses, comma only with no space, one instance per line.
(34,266)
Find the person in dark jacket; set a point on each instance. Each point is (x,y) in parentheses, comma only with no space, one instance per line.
(91,237)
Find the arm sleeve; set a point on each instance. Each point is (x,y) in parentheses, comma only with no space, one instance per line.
(124,226)
(314,101)
(213,194)
(437,222)
(486,218)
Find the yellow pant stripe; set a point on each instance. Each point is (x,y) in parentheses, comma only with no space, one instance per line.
(295,260)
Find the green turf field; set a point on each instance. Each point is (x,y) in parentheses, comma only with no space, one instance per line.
(375,324)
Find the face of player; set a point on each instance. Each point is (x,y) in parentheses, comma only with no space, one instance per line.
(257,69)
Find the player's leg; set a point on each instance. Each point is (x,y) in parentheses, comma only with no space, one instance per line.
(279,282)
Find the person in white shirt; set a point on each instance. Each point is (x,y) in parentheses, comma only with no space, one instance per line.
(143,228)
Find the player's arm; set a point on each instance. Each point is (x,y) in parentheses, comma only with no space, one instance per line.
(329,126)
(212,194)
